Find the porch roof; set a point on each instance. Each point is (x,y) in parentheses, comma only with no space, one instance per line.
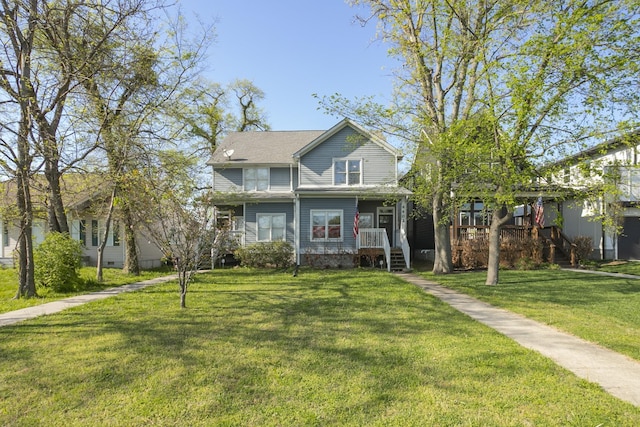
(250,196)
(361,192)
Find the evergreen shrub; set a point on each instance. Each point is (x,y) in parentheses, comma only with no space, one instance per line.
(57,260)
(266,254)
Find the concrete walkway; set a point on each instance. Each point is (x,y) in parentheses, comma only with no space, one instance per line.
(617,374)
(56,306)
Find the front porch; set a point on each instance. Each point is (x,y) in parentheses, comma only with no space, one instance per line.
(553,245)
(374,242)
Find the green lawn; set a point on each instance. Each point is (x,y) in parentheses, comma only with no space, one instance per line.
(262,348)
(112,277)
(600,309)
(626,267)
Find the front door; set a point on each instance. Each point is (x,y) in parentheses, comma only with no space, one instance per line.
(386,221)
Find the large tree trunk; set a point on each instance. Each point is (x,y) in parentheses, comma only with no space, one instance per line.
(131,261)
(56,213)
(442,238)
(493,267)
(26,282)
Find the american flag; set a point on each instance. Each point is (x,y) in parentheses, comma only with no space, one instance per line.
(356,220)
(539,211)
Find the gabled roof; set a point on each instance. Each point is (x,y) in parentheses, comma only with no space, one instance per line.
(78,190)
(262,147)
(628,140)
(337,128)
(281,147)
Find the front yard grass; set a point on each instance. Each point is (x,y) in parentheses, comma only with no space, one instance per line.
(263,348)
(112,277)
(600,309)
(625,267)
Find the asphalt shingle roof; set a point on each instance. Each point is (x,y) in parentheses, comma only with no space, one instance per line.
(275,147)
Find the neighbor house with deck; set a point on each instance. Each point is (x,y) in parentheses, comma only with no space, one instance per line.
(593,194)
(332,194)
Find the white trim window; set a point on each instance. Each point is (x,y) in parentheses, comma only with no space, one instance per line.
(256,179)
(347,172)
(79,230)
(271,227)
(326,225)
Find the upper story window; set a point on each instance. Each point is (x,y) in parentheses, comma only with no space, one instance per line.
(256,179)
(347,172)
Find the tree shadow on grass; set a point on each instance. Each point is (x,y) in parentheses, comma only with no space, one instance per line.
(267,342)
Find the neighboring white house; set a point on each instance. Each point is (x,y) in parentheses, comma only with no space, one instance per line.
(84,206)
(617,162)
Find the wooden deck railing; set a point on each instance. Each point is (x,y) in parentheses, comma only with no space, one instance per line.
(552,238)
(564,244)
(472,232)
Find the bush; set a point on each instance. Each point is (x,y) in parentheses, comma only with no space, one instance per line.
(584,248)
(521,254)
(274,254)
(57,261)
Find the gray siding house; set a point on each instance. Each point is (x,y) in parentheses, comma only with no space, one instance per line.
(332,194)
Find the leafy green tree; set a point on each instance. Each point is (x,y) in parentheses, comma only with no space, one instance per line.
(504,84)
(19,27)
(212,110)
(145,69)
(51,47)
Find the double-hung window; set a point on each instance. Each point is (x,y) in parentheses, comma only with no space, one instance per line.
(347,172)
(271,227)
(97,233)
(473,214)
(256,179)
(326,225)
(79,230)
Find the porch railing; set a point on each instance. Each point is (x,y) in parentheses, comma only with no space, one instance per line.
(560,241)
(406,251)
(474,232)
(375,238)
(372,238)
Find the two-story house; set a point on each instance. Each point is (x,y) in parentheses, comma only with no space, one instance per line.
(329,193)
(610,171)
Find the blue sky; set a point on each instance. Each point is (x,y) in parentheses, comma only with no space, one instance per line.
(292,49)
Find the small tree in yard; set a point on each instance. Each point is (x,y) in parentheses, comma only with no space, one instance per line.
(177,220)
(182,234)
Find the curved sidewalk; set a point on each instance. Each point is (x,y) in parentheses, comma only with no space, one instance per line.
(617,374)
(55,306)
